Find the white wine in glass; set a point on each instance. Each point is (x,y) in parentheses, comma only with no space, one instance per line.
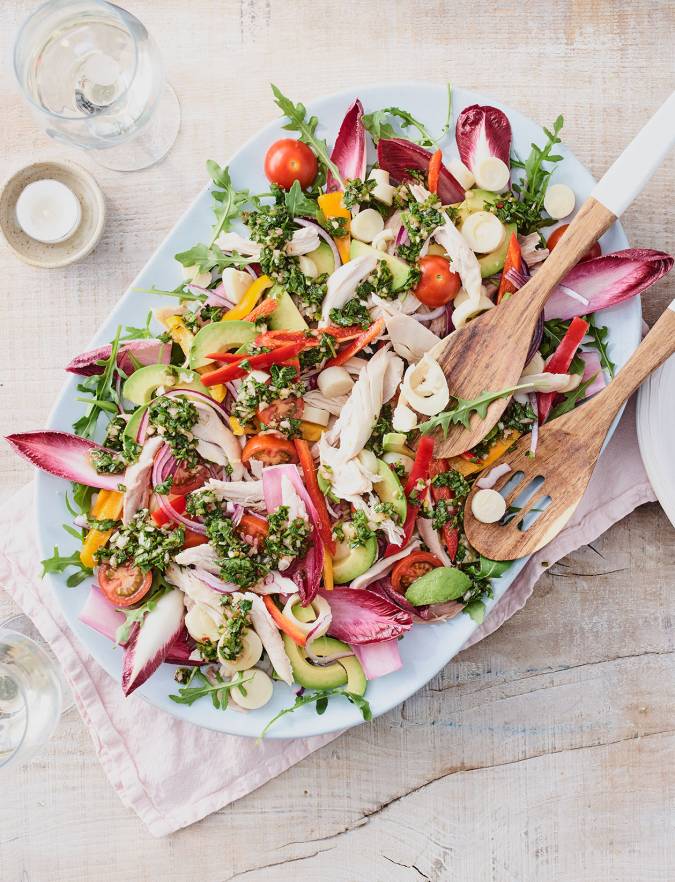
(94,78)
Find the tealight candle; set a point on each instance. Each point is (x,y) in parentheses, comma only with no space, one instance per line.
(48,211)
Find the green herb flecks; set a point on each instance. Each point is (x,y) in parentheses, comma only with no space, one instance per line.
(142,543)
(173,418)
(231,643)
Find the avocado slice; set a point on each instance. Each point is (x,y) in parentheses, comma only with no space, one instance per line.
(395,442)
(344,672)
(494,261)
(437,586)
(286,317)
(140,386)
(134,421)
(218,336)
(399,268)
(389,489)
(349,562)
(323,258)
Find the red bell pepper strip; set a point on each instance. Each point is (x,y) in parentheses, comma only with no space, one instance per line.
(263,309)
(227,357)
(177,503)
(309,472)
(434,171)
(264,360)
(284,624)
(513,261)
(272,339)
(418,472)
(451,539)
(357,345)
(560,361)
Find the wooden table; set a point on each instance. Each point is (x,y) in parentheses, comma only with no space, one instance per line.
(544,753)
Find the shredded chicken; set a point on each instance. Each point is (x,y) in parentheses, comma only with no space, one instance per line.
(211,430)
(203,557)
(246,493)
(332,405)
(410,338)
(342,284)
(264,626)
(303,241)
(405,304)
(531,250)
(192,586)
(462,258)
(137,480)
(235,242)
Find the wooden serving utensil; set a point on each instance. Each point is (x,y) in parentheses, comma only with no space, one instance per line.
(567,450)
(488,354)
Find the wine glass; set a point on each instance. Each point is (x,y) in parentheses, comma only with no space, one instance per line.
(31,696)
(94,78)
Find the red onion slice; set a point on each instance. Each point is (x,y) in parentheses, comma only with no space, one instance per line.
(163,466)
(303,222)
(215,583)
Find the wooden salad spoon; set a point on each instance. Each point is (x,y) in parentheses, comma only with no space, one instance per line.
(566,453)
(488,354)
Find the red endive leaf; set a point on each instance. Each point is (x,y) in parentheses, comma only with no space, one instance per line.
(361,616)
(607,280)
(349,152)
(399,157)
(482,132)
(144,351)
(64,455)
(150,643)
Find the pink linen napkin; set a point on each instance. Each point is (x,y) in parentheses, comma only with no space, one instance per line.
(173,788)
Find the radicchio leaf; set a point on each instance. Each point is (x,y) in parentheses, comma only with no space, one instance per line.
(592,368)
(64,455)
(361,616)
(482,132)
(607,280)
(150,642)
(144,351)
(378,659)
(349,152)
(398,157)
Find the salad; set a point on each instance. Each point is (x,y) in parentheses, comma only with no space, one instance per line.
(254,486)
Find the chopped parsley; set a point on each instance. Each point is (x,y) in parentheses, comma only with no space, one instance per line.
(358,192)
(107,462)
(383,426)
(173,418)
(142,543)
(420,220)
(315,355)
(354,312)
(380,281)
(255,395)
(230,644)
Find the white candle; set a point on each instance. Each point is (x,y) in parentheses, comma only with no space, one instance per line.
(48,211)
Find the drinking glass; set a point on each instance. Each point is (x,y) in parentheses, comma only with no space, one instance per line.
(94,78)
(30,696)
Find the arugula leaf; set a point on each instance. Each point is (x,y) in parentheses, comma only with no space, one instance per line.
(320,698)
(177,292)
(463,410)
(218,691)
(104,393)
(207,257)
(59,564)
(227,202)
(298,204)
(600,340)
(139,333)
(571,399)
(532,188)
(379,127)
(298,122)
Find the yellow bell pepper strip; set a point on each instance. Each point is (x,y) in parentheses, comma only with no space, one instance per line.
(328,582)
(249,300)
(497,450)
(236,426)
(331,205)
(108,505)
(311,431)
(180,333)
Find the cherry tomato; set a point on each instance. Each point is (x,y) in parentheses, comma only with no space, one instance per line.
(289,160)
(254,527)
(125,585)
(192,539)
(450,540)
(412,567)
(188,478)
(290,408)
(269,449)
(439,467)
(438,284)
(556,236)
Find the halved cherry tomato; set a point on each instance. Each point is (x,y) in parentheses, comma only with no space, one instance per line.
(439,467)
(188,478)
(125,585)
(450,540)
(290,408)
(438,284)
(192,539)
(289,160)
(412,567)
(556,236)
(253,526)
(269,449)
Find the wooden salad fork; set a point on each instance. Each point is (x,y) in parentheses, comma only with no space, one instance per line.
(566,453)
(488,354)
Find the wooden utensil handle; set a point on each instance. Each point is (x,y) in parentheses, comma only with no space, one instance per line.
(657,346)
(586,228)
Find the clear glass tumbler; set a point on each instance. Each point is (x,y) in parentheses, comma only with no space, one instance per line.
(94,79)
(30,697)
